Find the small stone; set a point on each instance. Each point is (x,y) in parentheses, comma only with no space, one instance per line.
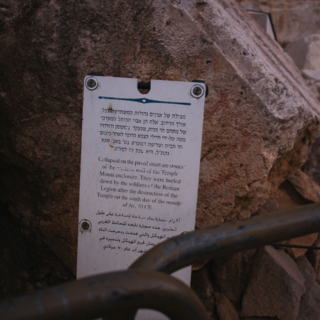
(307,240)
(305,186)
(225,309)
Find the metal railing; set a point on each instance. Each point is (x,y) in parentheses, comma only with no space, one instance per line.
(118,295)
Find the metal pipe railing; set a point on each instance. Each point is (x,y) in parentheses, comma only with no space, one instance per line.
(118,295)
(108,294)
(216,241)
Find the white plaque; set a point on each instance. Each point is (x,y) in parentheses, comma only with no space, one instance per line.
(140,163)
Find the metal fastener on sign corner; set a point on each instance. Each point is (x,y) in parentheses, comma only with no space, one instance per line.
(91,83)
(197,91)
(85,225)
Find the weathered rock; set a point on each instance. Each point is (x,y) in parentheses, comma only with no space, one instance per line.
(312,78)
(307,240)
(310,191)
(288,197)
(225,309)
(313,256)
(275,286)
(270,206)
(296,191)
(292,19)
(312,74)
(231,274)
(25,266)
(259,115)
(201,284)
(310,301)
(312,165)
(305,186)
(305,52)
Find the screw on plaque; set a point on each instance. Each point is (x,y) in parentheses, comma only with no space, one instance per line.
(85,225)
(91,83)
(197,91)
(204,83)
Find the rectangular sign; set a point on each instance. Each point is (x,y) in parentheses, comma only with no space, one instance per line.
(140,163)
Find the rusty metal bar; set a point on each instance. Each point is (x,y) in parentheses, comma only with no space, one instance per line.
(209,243)
(108,294)
(111,294)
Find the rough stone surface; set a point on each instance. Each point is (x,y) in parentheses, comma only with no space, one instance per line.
(231,274)
(298,190)
(312,78)
(270,206)
(292,19)
(312,74)
(225,309)
(310,301)
(201,284)
(288,197)
(275,286)
(305,186)
(312,165)
(259,115)
(305,52)
(307,240)
(25,266)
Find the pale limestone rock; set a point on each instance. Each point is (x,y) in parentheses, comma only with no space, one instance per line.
(312,74)
(259,116)
(275,286)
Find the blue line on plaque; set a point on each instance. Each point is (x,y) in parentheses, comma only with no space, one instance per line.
(145,101)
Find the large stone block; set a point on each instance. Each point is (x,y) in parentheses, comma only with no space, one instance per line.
(275,286)
(259,115)
(310,301)
(231,274)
